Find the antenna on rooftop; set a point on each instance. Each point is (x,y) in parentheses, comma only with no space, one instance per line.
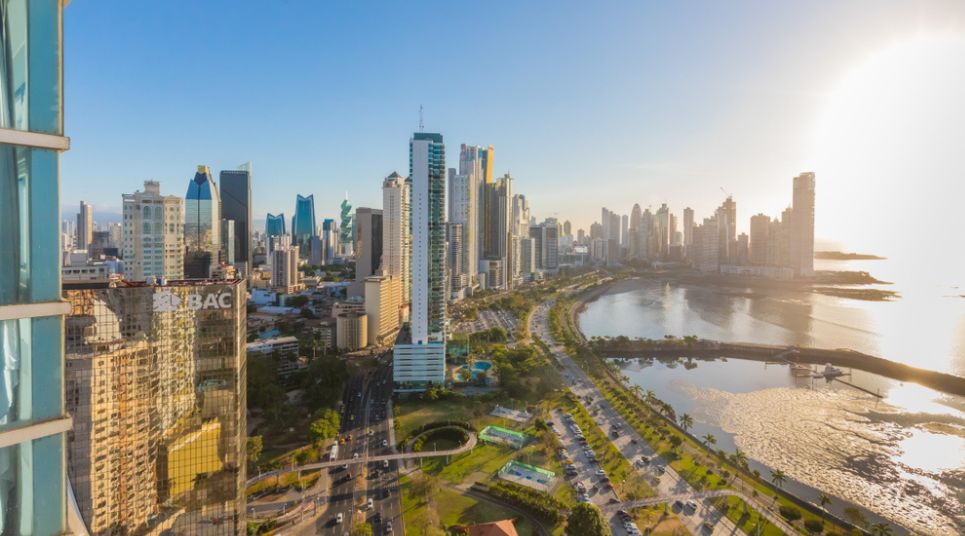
(421,126)
(728,194)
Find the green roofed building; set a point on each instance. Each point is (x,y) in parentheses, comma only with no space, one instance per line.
(498,434)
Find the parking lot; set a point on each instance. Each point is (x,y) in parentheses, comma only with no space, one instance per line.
(487,319)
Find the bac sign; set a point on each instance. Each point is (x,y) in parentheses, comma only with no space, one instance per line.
(166,301)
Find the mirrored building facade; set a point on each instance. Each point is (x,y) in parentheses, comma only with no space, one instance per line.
(155,381)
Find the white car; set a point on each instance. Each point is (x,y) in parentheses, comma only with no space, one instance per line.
(338,518)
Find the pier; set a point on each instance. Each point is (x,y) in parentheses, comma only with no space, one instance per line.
(858,387)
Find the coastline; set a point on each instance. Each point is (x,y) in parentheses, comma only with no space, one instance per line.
(940,381)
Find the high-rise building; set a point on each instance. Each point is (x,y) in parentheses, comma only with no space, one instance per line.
(228,241)
(236,205)
(155,381)
(567,229)
(369,227)
(419,354)
(802,226)
(351,330)
(727,227)
(536,235)
(202,223)
(153,234)
(274,227)
(346,236)
(499,195)
(329,240)
(527,257)
(396,245)
(382,308)
(33,488)
(760,229)
(85,226)
(303,222)
(688,227)
(458,279)
(550,245)
(463,206)
(625,231)
(285,277)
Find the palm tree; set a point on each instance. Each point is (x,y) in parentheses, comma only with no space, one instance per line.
(710,439)
(778,477)
(740,458)
(881,529)
(651,397)
(824,500)
(686,421)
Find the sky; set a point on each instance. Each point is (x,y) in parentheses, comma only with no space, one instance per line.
(587,104)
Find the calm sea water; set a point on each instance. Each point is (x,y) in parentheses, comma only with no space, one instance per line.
(925,327)
(902,457)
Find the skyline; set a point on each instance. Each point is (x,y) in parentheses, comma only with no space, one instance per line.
(691,107)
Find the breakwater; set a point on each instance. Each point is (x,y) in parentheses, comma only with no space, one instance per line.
(947,383)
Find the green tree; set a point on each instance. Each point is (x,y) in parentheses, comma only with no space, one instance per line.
(740,458)
(778,477)
(881,529)
(686,421)
(710,439)
(824,500)
(855,517)
(324,427)
(362,529)
(586,520)
(254,448)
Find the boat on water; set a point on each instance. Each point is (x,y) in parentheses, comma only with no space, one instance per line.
(830,372)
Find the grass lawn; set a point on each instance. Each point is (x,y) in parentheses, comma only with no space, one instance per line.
(453,508)
(659,523)
(484,458)
(413,413)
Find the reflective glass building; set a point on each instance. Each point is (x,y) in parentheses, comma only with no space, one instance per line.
(303,223)
(155,381)
(33,487)
(202,216)
(236,206)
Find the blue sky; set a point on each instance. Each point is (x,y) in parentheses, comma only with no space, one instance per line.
(586,103)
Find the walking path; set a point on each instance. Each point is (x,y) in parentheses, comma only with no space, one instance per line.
(629,443)
(367,459)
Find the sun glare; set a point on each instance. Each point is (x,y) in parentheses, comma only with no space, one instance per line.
(889,147)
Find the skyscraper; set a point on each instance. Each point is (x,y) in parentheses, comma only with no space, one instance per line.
(153,234)
(347,228)
(155,381)
(33,489)
(760,229)
(463,207)
(458,280)
(85,227)
(419,355)
(202,222)
(285,277)
(688,227)
(236,205)
(368,246)
(274,227)
(329,240)
(802,225)
(727,226)
(303,222)
(396,246)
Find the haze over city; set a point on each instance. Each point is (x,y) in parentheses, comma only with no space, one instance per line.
(656,103)
(496,269)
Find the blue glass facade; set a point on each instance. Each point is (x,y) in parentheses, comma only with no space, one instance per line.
(275,225)
(32,420)
(303,222)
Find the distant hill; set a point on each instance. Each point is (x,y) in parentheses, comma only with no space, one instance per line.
(842,256)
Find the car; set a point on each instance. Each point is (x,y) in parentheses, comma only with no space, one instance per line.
(385,443)
(624,515)
(371,432)
(600,473)
(385,464)
(370,504)
(661,469)
(388,526)
(338,518)
(344,466)
(580,487)
(677,505)
(355,456)
(691,505)
(633,441)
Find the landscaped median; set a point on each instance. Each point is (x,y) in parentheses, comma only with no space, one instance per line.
(702,467)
